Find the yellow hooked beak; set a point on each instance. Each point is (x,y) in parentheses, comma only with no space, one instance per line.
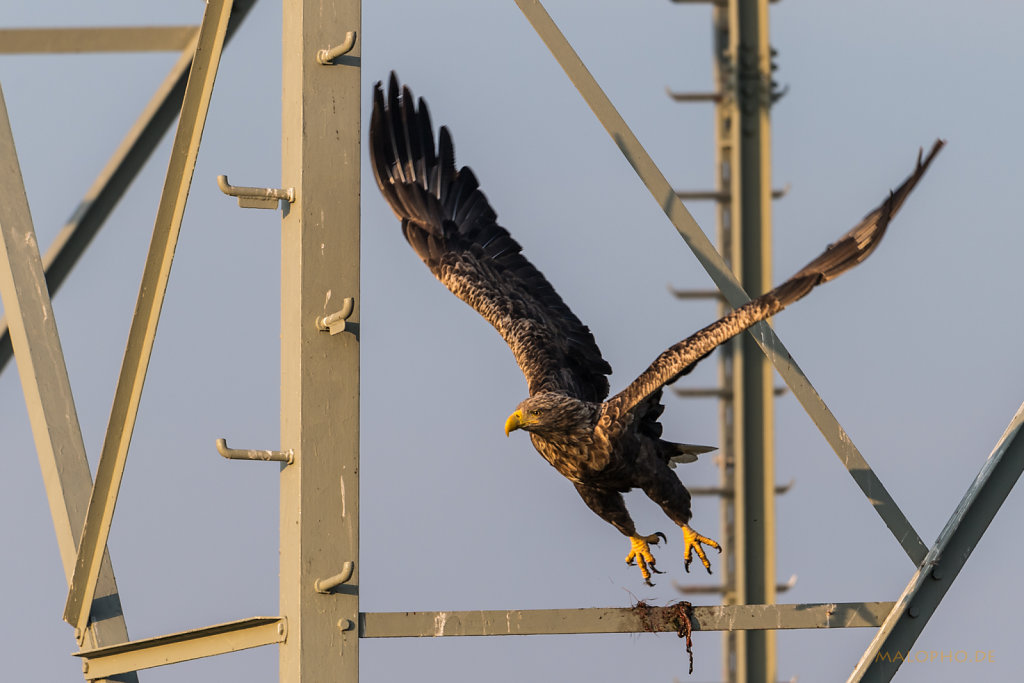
(514,422)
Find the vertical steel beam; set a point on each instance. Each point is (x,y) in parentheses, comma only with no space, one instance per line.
(733,644)
(124,164)
(752,373)
(319,371)
(894,641)
(147,311)
(44,380)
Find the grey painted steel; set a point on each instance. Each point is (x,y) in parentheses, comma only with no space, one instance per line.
(723,195)
(180,647)
(694,589)
(254,454)
(753,424)
(147,311)
(711,392)
(44,380)
(327,56)
(946,558)
(733,642)
(696,294)
(107,39)
(619,620)
(693,96)
(727,492)
(332,582)
(337,322)
(256,197)
(320,158)
(723,278)
(128,159)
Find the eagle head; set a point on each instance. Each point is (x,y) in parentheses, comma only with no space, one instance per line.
(549,413)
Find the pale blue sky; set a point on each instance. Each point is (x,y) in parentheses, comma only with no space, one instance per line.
(915,351)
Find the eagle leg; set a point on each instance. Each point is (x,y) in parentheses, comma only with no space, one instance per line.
(640,552)
(692,542)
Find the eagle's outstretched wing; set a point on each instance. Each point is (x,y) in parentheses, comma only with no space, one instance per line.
(848,251)
(448,221)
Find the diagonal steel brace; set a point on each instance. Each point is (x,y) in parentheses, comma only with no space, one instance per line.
(897,635)
(147,311)
(723,278)
(47,389)
(122,167)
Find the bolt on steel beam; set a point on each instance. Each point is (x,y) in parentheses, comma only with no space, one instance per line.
(147,312)
(44,380)
(714,264)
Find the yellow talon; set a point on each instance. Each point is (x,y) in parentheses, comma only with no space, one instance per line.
(692,541)
(641,553)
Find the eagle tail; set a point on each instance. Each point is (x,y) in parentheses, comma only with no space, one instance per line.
(682,453)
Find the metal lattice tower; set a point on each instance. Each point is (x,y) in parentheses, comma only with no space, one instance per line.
(743,95)
(320,626)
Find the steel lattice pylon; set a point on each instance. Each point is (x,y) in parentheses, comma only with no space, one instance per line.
(320,625)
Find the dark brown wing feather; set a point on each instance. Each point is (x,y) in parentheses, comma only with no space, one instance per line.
(449,223)
(845,253)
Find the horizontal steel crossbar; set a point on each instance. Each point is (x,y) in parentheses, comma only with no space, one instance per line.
(620,620)
(112,39)
(219,639)
(256,631)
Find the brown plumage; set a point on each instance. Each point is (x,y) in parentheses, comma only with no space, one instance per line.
(605,447)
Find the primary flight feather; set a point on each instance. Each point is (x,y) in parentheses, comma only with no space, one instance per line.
(604,446)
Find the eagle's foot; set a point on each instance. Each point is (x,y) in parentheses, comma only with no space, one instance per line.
(692,542)
(640,552)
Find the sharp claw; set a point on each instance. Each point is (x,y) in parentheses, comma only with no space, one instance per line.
(663,538)
(641,555)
